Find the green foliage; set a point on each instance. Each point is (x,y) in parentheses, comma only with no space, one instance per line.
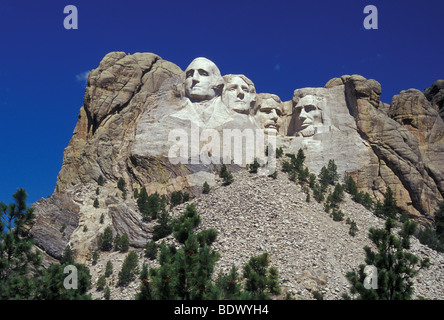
(206,188)
(286,166)
(67,256)
(129,269)
(254,166)
(226,175)
(95,257)
(433,236)
(101,180)
(260,281)
(329,174)
(101,283)
(353,227)
(150,205)
(176,198)
(312,180)
(388,208)
(439,220)
(107,293)
(102,218)
(279,152)
(186,273)
(124,243)
(350,186)
(117,242)
(303,175)
(274,174)
(395,265)
(105,240)
(121,184)
(97,191)
(317,295)
(51,284)
(164,226)
(364,199)
(108,269)
(184,225)
(337,215)
(96,203)
(336,197)
(318,194)
(18,257)
(151,250)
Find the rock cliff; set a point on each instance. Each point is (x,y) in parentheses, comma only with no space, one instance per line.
(134,102)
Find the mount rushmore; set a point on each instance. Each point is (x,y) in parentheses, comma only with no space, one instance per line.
(134,102)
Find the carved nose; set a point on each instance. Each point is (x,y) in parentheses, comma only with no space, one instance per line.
(240,94)
(273,115)
(303,115)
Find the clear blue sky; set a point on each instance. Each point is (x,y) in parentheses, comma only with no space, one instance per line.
(280,45)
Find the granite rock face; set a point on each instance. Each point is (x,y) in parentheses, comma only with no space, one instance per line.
(137,107)
(435,94)
(406,143)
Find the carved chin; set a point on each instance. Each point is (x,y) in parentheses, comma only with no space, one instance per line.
(308,132)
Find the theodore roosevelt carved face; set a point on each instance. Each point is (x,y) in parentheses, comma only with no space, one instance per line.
(203,80)
(239,93)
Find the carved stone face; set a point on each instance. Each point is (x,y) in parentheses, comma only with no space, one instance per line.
(268,114)
(202,77)
(309,115)
(237,95)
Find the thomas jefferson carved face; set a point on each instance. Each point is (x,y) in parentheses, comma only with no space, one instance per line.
(309,114)
(238,94)
(267,113)
(203,80)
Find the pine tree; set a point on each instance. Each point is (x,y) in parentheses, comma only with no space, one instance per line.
(124,243)
(101,180)
(227,178)
(17,255)
(164,226)
(389,207)
(254,166)
(260,281)
(332,172)
(151,250)
(121,184)
(350,186)
(108,269)
(206,188)
(96,203)
(176,198)
(395,266)
(95,257)
(67,256)
(101,283)
(105,240)
(129,269)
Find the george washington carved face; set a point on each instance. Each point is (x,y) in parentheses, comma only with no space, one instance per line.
(203,80)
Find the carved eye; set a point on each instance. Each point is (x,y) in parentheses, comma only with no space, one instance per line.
(203,73)
(189,73)
(309,108)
